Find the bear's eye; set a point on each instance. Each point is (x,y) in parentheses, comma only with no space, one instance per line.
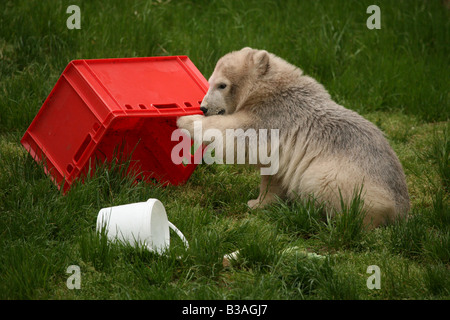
(221,86)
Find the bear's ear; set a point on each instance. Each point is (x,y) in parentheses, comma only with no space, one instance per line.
(261,61)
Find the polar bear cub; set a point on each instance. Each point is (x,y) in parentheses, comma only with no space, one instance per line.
(325,150)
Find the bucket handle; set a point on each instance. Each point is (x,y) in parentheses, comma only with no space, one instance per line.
(179,233)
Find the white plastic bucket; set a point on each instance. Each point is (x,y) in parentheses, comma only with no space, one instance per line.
(141,223)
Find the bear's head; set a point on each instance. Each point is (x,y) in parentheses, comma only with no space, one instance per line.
(233,80)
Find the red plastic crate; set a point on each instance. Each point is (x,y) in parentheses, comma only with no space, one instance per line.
(102,106)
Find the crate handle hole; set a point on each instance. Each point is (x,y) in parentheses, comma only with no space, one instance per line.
(188,104)
(69,168)
(143,107)
(129,107)
(82,148)
(96,126)
(166,106)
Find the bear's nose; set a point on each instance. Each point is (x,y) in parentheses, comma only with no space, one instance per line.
(204,110)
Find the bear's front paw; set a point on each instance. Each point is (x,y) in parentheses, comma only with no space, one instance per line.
(253,204)
(187,122)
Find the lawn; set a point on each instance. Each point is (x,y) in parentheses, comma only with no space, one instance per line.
(396,76)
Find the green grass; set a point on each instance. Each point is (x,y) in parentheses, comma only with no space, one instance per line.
(397,77)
